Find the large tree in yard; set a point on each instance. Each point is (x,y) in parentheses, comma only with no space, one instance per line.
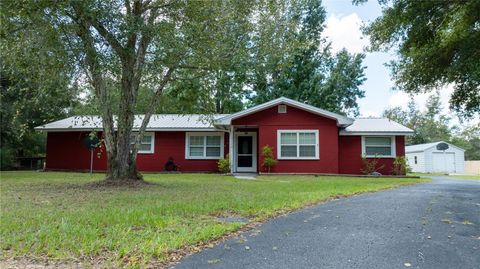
(118,47)
(438,44)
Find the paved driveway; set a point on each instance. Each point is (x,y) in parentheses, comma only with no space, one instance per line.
(428,225)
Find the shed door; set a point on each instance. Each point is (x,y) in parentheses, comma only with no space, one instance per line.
(443,162)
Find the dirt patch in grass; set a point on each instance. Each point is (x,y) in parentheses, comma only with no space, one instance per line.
(118,184)
(231,217)
(32,263)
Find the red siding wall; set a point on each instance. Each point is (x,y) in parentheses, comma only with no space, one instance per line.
(66,152)
(269,121)
(338,154)
(350,155)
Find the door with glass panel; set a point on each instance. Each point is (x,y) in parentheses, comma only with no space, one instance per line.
(246,152)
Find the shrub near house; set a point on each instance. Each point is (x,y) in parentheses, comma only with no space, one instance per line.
(303,138)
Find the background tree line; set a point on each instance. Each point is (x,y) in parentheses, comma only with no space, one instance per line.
(72,58)
(432,125)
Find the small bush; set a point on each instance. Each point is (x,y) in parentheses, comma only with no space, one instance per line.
(370,165)
(7,158)
(400,166)
(268,159)
(224,165)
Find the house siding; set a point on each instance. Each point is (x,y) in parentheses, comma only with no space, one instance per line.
(350,155)
(269,121)
(65,151)
(337,154)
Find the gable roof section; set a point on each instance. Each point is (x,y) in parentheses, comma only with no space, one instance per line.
(341,120)
(376,126)
(423,147)
(158,122)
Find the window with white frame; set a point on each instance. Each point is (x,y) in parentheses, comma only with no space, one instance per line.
(204,146)
(378,146)
(147,143)
(297,144)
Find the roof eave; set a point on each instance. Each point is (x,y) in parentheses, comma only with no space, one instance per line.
(134,129)
(396,133)
(342,121)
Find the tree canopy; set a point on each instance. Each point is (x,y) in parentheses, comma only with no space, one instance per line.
(35,86)
(310,72)
(433,125)
(438,44)
(124,57)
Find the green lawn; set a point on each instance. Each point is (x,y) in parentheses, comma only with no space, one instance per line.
(417,174)
(472,177)
(60,216)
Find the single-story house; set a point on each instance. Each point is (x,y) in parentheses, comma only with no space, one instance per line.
(304,138)
(427,158)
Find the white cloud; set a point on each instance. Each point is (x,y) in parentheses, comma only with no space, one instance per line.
(344,32)
(401,99)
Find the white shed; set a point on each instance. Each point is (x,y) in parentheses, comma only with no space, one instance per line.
(427,158)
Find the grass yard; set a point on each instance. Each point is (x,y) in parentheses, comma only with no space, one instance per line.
(470,177)
(61,217)
(418,174)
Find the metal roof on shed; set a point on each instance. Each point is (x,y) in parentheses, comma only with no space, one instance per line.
(423,147)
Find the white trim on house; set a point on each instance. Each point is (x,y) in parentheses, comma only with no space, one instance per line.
(341,120)
(392,147)
(204,135)
(152,143)
(231,150)
(253,168)
(298,157)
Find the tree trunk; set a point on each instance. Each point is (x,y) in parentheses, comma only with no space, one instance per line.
(125,167)
(121,153)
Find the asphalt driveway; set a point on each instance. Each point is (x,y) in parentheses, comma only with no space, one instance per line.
(428,225)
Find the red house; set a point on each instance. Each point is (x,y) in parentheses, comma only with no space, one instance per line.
(305,139)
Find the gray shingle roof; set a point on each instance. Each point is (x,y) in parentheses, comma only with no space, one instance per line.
(375,126)
(158,122)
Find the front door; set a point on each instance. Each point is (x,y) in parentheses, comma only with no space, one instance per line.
(246,152)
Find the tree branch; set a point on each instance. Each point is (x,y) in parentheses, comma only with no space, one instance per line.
(97,81)
(151,108)
(149,5)
(143,46)
(109,37)
(128,7)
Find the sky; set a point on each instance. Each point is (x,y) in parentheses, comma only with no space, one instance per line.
(343,29)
